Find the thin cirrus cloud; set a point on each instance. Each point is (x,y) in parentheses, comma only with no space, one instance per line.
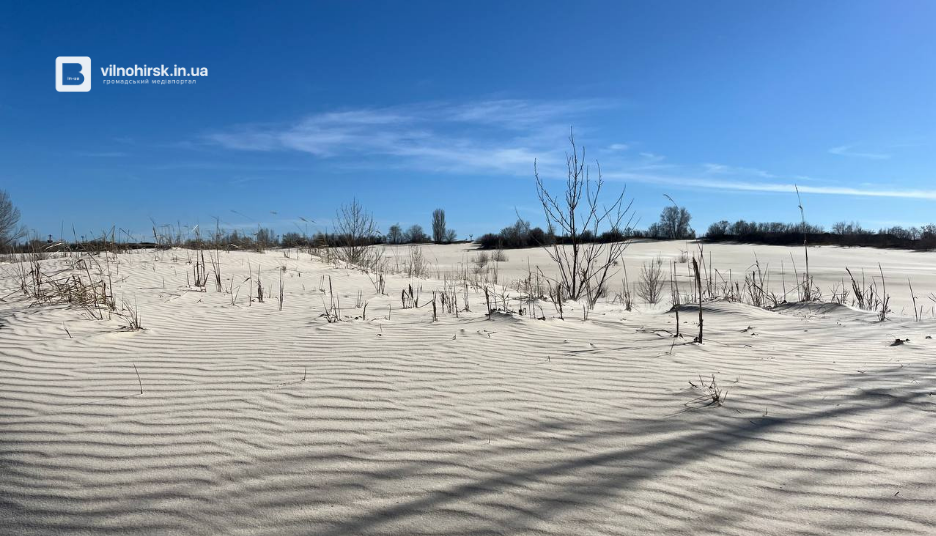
(104,154)
(503,136)
(767,187)
(720,169)
(848,150)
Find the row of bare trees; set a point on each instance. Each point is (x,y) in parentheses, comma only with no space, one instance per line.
(441,234)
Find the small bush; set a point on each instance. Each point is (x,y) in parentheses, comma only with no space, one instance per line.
(480,262)
(650,284)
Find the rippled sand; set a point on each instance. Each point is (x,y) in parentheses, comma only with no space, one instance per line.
(255,420)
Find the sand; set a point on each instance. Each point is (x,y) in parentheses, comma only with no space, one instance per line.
(827,265)
(256,420)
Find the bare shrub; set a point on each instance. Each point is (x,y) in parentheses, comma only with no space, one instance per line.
(579,214)
(379,265)
(480,262)
(651,282)
(356,230)
(416,265)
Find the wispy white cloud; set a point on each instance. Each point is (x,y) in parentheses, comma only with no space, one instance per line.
(504,136)
(847,150)
(520,114)
(770,187)
(618,147)
(723,169)
(645,161)
(104,154)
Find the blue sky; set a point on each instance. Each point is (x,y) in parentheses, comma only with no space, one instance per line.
(417,105)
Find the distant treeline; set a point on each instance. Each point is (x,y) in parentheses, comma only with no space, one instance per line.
(50,246)
(841,234)
(260,240)
(522,235)
(673,225)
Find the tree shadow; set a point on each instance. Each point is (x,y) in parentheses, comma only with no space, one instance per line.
(600,477)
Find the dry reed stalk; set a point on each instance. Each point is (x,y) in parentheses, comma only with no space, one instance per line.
(674,288)
(698,277)
(886,299)
(281,291)
(916,315)
(807,281)
(138,378)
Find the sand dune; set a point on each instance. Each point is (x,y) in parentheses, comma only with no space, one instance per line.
(256,420)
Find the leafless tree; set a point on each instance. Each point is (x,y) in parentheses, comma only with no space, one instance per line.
(416,235)
(674,223)
(584,266)
(395,234)
(10,231)
(356,231)
(438,226)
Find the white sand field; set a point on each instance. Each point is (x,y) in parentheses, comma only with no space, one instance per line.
(256,420)
(827,265)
